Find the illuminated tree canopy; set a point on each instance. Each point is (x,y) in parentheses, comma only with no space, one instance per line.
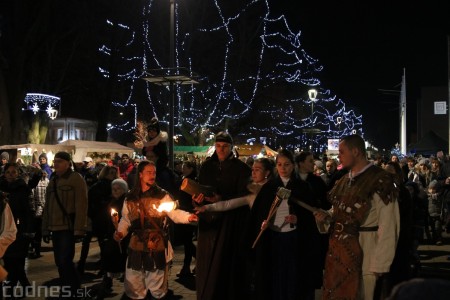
(254,74)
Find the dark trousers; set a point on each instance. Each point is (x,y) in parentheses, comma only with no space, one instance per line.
(85,247)
(284,265)
(16,273)
(64,252)
(38,235)
(186,233)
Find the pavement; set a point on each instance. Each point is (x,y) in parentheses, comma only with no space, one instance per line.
(42,271)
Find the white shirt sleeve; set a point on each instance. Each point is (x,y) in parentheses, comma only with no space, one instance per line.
(8,234)
(232,203)
(179,216)
(379,246)
(124,222)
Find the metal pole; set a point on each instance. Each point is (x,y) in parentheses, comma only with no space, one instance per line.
(448,85)
(312,125)
(172,85)
(403,115)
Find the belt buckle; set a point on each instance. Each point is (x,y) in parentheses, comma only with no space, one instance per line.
(338,227)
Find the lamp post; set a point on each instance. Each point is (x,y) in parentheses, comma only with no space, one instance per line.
(312,93)
(171,77)
(172,86)
(339,121)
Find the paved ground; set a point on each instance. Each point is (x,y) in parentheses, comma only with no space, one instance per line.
(42,271)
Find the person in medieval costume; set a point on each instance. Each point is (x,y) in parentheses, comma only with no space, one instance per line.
(365,225)
(220,258)
(144,215)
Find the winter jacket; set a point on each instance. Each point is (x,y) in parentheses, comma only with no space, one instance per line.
(72,192)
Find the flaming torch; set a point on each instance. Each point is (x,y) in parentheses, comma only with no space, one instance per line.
(115,221)
(165,206)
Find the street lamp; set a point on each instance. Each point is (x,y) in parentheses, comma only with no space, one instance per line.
(171,77)
(172,87)
(312,93)
(339,121)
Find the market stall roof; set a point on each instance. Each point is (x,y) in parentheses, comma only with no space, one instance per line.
(250,150)
(197,150)
(84,148)
(40,147)
(78,148)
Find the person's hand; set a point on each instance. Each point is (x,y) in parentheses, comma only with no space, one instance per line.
(264,225)
(198,198)
(321,216)
(46,238)
(193,218)
(115,219)
(118,236)
(291,219)
(199,209)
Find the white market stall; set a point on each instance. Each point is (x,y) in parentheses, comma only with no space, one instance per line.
(79,149)
(96,149)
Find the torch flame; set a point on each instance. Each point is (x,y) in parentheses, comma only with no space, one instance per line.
(165,206)
(113,212)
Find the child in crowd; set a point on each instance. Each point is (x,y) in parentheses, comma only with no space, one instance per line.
(435,210)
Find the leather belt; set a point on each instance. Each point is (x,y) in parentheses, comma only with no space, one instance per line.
(351,229)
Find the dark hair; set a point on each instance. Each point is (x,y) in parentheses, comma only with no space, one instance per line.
(398,174)
(267,164)
(136,190)
(286,153)
(301,157)
(355,141)
(191,165)
(154,125)
(289,155)
(12,164)
(411,159)
(105,171)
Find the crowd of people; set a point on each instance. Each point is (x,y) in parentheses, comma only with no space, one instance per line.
(276,228)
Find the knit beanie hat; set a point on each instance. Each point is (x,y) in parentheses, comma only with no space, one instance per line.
(63,155)
(224,137)
(43,155)
(5,155)
(121,183)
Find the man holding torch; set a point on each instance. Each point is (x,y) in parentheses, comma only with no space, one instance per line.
(144,216)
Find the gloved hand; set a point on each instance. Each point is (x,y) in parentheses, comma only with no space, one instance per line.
(46,238)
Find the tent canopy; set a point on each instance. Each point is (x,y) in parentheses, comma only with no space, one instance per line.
(430,144)
(196,150)
(85,148)
(251,150)
(77,148)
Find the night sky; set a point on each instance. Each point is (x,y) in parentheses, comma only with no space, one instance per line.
(364,47)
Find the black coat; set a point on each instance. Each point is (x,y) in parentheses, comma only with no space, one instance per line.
(220,257)
(113,257)
(99,196)
(19,200)
(310,242)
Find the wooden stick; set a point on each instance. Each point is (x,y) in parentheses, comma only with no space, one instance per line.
(282,193)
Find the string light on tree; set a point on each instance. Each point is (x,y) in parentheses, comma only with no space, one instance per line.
(239,80)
